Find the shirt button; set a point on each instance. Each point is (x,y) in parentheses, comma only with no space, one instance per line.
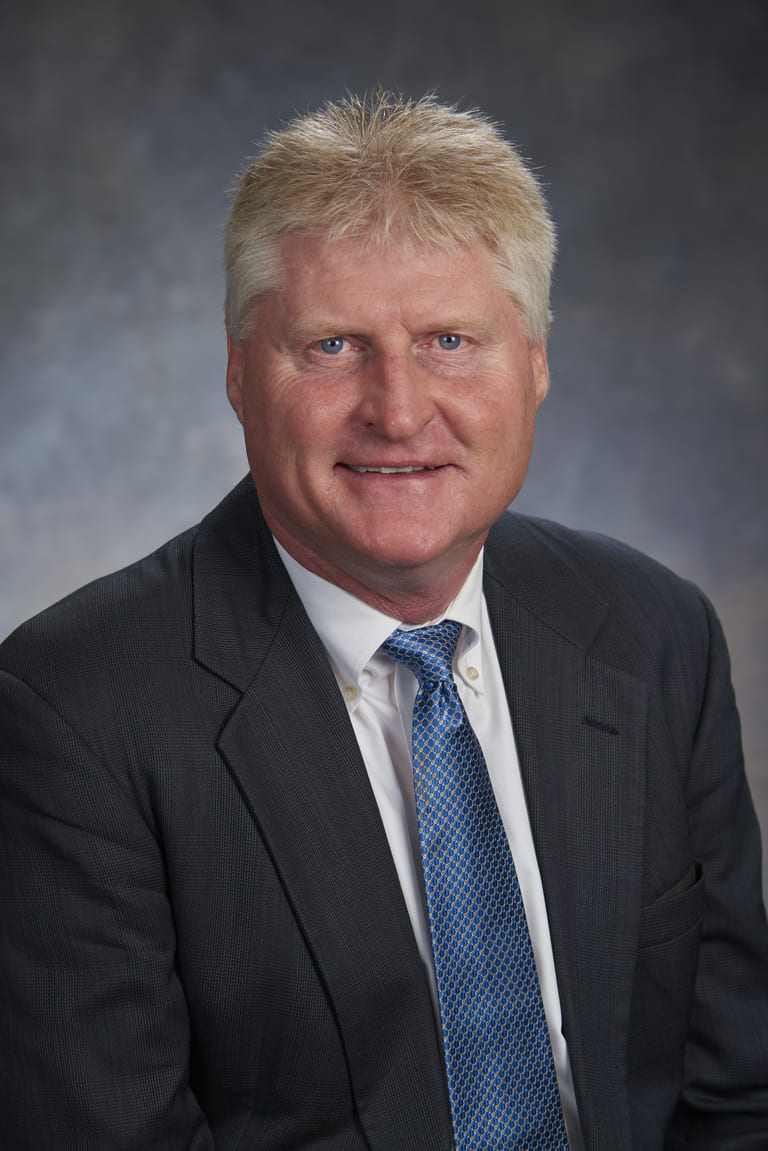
(350,693)
(473,673)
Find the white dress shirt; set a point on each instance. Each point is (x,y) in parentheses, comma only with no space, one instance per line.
(379,696)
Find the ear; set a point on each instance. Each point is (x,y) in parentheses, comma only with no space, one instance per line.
(540,371)
(235,376)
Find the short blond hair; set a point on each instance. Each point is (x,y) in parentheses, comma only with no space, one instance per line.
(387,169)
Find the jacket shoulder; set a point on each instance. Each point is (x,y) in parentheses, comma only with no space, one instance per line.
(603,563)
(108,621)
(563,574)
(120,615)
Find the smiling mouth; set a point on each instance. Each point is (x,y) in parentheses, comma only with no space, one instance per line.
(394,471)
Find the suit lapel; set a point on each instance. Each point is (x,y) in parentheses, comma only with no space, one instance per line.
(291,748)
(579,727)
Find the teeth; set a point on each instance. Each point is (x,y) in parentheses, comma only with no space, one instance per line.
(393,471)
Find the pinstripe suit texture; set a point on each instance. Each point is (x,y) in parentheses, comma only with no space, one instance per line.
(203,940)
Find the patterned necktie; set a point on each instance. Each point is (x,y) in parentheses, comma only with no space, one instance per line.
(501,1076)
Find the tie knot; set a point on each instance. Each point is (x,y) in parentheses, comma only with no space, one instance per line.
(427,651)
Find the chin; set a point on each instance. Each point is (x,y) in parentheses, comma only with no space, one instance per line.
(399,556)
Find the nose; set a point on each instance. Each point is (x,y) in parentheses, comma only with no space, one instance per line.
(396,400)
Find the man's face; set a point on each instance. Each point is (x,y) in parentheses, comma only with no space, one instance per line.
(388,402)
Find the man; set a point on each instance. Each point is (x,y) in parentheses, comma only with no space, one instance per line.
(279,873)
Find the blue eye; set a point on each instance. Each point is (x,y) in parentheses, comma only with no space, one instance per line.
(449,342)
(332,345)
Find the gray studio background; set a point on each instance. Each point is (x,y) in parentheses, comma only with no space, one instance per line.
(122,126)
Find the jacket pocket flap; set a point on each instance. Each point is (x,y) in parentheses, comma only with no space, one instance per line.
(674,912)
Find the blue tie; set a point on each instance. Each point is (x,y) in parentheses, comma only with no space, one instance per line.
(501,1076)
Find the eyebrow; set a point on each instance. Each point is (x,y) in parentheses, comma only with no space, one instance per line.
(298,333)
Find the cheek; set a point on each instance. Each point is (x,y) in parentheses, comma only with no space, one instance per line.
(504,443)
(502,416)
(292,441)
(298,412)
(273,418)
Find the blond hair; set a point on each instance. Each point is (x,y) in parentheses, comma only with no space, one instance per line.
(386,169)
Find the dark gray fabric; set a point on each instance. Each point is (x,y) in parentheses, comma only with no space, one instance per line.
(202,936)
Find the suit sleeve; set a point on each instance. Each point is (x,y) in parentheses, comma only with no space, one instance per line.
(725,1099)
(94,1034)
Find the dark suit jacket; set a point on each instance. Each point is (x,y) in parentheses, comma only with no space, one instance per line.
(203,940)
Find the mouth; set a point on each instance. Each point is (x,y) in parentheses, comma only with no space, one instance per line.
(405,471)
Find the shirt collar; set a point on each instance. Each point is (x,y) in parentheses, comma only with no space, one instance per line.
(352,631)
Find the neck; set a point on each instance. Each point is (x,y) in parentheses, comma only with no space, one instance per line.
(407,606)
(410,595)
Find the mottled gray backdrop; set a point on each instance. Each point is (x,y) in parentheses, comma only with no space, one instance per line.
(123,123)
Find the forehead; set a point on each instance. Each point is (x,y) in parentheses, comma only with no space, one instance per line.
(358,276)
